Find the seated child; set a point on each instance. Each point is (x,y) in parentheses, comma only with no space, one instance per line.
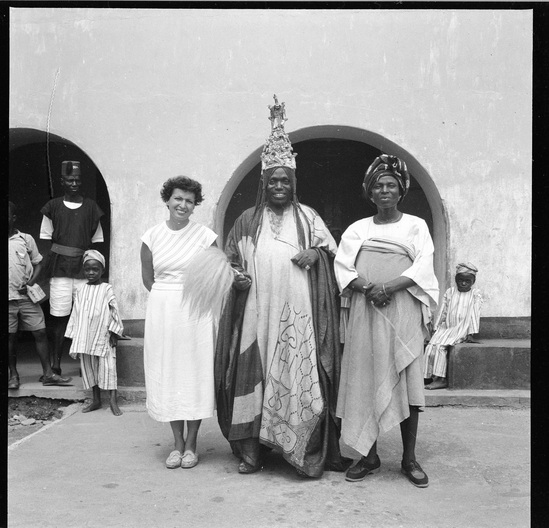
(24,265)
(459,317)
(94,326)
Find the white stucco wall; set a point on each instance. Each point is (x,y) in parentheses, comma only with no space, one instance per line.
(149,94)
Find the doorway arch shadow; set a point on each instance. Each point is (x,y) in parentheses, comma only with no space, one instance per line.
(35,177)
(376,141)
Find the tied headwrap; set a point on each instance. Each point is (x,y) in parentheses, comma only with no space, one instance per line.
(386,165)
(466,268)
(92,254)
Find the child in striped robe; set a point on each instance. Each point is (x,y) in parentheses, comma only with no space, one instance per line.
(458,319)
(94,327)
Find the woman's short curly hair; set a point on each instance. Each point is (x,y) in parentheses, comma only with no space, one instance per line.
(185,184)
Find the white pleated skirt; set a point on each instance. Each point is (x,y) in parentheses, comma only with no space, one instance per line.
(178,358)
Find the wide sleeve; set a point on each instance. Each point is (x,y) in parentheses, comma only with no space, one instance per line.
(422,271)
(474,323)
(236,240)
(115,322)
(97,213)
(443,312)
(344,263)
(47,210)
(320,234)
(71,329)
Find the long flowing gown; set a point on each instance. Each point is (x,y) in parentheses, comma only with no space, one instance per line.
(381,372)
(179,346)
(276,373)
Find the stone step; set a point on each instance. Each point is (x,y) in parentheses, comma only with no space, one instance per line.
(491,364)
(490,327)
(129,363)
(476,375)
(516,399)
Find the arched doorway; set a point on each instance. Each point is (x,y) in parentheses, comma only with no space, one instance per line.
(34,178)
(331,162)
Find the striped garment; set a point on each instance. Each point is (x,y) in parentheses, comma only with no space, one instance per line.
(173,250)
(94,315)
(100,371)
(179,344)
(459,316)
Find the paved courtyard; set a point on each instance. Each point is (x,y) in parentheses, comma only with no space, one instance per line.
(97,470)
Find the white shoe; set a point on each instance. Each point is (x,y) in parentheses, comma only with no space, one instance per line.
(174,460)
(189,459)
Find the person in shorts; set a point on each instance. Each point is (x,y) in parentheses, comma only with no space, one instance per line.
(71,222)
(24,265)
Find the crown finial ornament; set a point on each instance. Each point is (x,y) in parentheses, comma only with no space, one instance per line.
(277,151)
(278,114)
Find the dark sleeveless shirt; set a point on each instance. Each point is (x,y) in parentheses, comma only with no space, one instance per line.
(73,228)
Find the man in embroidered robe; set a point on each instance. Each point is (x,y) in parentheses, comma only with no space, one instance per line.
(278,353)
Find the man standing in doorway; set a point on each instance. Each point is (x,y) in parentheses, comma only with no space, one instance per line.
(71,222)
(278,354)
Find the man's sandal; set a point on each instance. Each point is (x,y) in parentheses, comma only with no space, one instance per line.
(245,468)
(55,379)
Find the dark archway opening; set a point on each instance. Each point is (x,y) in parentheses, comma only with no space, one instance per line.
(32,183)
(329,174)
(34,178)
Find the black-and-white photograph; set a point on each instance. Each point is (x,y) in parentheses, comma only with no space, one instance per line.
(287,248)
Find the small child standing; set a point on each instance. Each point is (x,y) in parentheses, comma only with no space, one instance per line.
(94,327)
(458,319)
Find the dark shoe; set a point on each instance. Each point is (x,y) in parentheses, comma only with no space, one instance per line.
(415,474)
(41,378)
(246,468)
(56,370)
(13,383)
(55,379)
(359,471)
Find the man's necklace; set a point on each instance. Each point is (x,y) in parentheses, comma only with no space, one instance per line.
(276,222)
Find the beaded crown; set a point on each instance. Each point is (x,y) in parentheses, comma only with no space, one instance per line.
(277,151)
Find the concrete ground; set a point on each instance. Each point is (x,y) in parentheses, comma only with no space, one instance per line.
(98,470)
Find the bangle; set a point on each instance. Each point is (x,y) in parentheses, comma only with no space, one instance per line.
(384,292)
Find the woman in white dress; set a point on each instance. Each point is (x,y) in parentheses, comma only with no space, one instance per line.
(385,264)
(179,345)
